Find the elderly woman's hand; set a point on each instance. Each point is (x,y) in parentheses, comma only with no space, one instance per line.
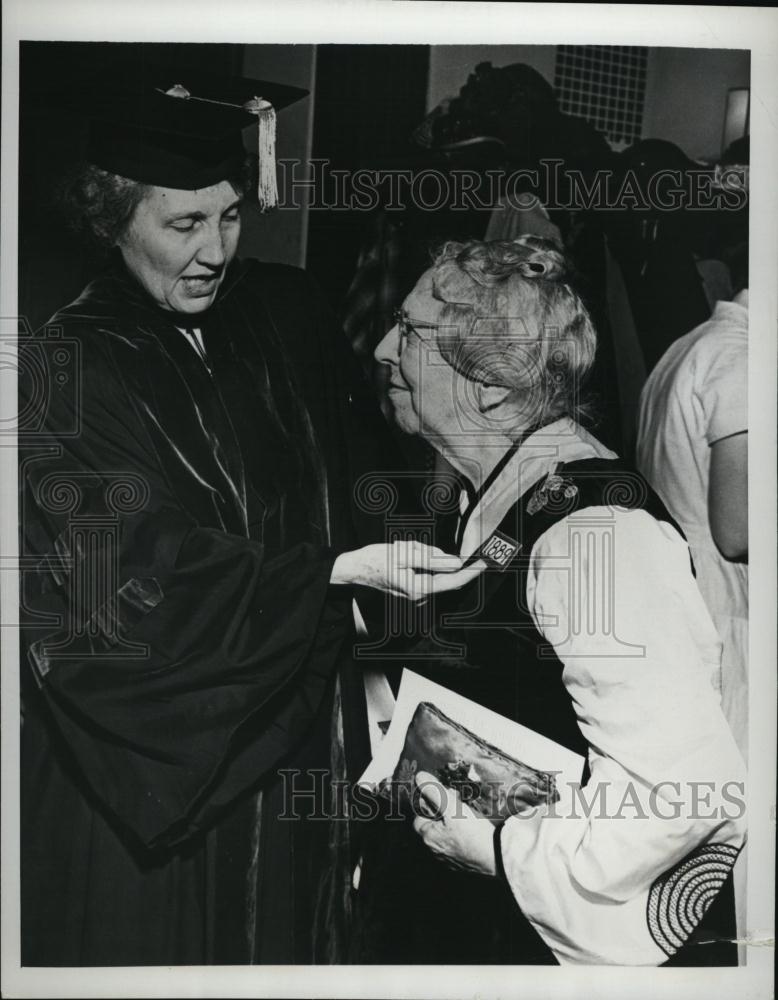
(452,830)
(404,568)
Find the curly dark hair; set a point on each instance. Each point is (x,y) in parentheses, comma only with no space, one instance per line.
(496,102)
(101,204)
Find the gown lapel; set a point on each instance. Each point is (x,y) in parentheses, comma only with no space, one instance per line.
(178,402)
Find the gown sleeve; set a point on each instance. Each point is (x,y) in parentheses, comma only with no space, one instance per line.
(185,663)
(622,871)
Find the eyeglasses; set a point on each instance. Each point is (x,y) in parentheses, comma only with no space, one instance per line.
(407,325)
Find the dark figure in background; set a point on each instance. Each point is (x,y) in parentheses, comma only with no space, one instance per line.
(667,240)
(655,251)
(189,515)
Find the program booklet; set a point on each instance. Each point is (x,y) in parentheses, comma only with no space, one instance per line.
(494,764)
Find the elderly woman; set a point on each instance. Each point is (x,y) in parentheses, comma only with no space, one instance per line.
(187,506)
(588,626)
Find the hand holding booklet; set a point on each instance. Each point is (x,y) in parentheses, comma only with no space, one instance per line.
(497,766)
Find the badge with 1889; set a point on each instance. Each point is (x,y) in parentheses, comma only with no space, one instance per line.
(498,550)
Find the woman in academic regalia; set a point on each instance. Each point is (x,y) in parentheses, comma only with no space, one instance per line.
(187,513)
(587,628)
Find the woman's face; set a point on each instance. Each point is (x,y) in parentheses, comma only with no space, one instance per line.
(423,387)
(179,244)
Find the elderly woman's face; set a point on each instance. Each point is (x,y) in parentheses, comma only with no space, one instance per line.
(179,243)
(423,387)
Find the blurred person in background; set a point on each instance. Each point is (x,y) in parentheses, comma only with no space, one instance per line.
(693,449)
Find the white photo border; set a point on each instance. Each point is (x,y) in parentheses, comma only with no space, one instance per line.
(384,21)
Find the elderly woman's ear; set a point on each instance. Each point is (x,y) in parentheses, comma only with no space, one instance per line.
(491,397)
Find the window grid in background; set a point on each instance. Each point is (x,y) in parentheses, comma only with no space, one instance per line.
(606,85)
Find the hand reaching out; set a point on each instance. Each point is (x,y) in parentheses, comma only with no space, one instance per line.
(404,568)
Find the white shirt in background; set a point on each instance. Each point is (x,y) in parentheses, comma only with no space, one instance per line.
(697,395)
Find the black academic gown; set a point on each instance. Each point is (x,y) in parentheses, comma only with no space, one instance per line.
(181,640)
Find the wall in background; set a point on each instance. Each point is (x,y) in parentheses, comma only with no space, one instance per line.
(686,95)
(281,234)
(685,100)
(686,89)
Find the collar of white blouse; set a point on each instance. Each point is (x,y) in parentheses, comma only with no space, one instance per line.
(194,336)
(561,441)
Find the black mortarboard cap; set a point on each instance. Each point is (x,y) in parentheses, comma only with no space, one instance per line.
(183,130)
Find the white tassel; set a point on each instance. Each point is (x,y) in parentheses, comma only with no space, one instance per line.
(267,189)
